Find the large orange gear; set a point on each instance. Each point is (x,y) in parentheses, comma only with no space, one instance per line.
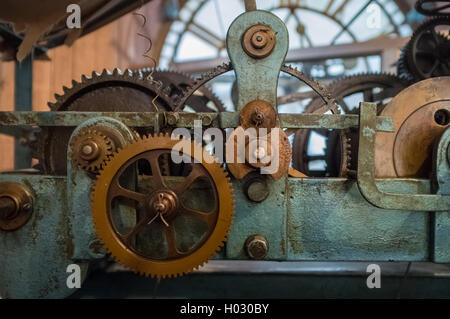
(162,205)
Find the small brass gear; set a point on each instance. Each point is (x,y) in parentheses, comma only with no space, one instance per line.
(158,208)
(91,149)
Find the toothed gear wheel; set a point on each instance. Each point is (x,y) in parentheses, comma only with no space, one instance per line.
(341,147)
(402,66)
(204,99)
(169,230)
(115,91)
(329,103)
(428,51)
(91,149)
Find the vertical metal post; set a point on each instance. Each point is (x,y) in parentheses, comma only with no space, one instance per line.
(23,99)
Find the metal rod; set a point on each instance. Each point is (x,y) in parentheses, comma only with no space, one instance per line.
(185,119)
(250,5)
(23,95)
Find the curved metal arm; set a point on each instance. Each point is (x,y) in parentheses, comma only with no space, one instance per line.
(366,169)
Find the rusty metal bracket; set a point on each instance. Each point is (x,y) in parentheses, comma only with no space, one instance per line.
(366,173)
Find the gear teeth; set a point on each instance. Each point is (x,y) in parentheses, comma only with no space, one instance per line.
(100,226)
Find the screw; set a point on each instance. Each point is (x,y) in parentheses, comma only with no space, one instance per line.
(206,120)
(172,118)
(256,247)
(257,118)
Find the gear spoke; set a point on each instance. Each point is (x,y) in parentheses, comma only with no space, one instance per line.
(126,239)
(190,179)
(172,250)
(433,68)
(208,218)
(117,190)
(158,180)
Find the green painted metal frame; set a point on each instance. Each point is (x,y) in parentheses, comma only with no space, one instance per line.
(23,101)
(366,173)
(182,119)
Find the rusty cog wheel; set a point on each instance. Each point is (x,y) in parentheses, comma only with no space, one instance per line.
(92,149)
(341,147)
(203,100)
(421,114)
(114,91)
(428,51)
(166,228)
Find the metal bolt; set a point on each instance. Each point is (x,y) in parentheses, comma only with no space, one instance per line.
(87,150)
(257,118)
(258,41)
(206,120)
(257,247)
(172,118)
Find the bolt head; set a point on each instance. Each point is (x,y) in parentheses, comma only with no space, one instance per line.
(87,150)
(257,247)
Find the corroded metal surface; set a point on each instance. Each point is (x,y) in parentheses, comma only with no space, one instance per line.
(441,221)
(34,259)
(16,205)
(366,173)
(260,80)
(409,151)
(148,119)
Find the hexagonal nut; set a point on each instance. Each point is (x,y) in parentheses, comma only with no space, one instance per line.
(256,247)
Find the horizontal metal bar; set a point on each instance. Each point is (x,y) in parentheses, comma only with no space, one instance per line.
(318,268)
(183,119)
(331,121)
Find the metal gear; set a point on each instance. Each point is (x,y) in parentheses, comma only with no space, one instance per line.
(150,245)
(92,149)
(421,114)
(204,100)
(342,146)
(115,91)
(428,51)
(329,102)
(402,66)
(426,7)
